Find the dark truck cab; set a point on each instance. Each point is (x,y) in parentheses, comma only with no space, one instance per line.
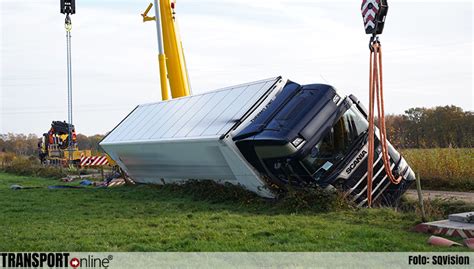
(310,136)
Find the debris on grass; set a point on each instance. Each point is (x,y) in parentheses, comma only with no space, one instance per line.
(442,242)
(86,182)
(469,243)
(20,187)
(64,187)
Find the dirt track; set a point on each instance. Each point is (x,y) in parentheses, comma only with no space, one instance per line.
(467,197)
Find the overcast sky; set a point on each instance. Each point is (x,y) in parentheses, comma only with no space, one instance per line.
(427,54)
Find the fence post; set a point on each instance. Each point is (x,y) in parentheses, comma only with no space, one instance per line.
(420,199)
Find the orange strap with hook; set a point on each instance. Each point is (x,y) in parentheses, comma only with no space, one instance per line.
(376,94)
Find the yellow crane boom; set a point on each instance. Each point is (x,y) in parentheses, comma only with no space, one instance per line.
(171,59)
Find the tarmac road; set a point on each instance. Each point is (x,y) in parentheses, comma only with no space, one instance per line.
(467,197)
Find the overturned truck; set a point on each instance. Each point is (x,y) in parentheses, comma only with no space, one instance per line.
(266,136)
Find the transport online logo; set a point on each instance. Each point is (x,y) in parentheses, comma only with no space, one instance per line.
(52,260)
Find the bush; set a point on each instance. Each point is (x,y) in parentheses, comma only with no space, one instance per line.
(20,166)
(6,159)
(294,201)
(31,167)
(436,209)
(50,172)
(312,199)
(213,192)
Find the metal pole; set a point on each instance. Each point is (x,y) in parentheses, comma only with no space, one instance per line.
(161,54)
(68,26)
(159,32)
(420,198)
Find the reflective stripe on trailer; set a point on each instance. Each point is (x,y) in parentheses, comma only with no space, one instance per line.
(94,161)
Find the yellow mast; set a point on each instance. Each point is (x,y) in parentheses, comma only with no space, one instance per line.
(171,59)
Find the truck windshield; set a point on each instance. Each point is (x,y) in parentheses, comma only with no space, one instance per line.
(336,144)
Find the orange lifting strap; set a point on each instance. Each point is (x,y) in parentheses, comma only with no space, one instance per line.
(376,91)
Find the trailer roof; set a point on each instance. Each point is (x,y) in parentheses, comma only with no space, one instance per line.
(211,114)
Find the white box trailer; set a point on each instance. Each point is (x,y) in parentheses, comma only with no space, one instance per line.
(264,136)
(190,137)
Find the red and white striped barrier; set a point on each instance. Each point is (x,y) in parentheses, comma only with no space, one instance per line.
(94,161)
(448,228)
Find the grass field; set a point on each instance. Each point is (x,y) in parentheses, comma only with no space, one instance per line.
(443,169)
(146,218)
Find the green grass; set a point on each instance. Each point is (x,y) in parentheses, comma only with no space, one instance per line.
(447,169)
(146,218)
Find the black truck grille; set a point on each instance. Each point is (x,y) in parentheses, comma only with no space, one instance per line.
(357,192)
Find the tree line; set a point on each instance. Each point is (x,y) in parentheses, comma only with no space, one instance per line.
(438,127)
(21,144)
